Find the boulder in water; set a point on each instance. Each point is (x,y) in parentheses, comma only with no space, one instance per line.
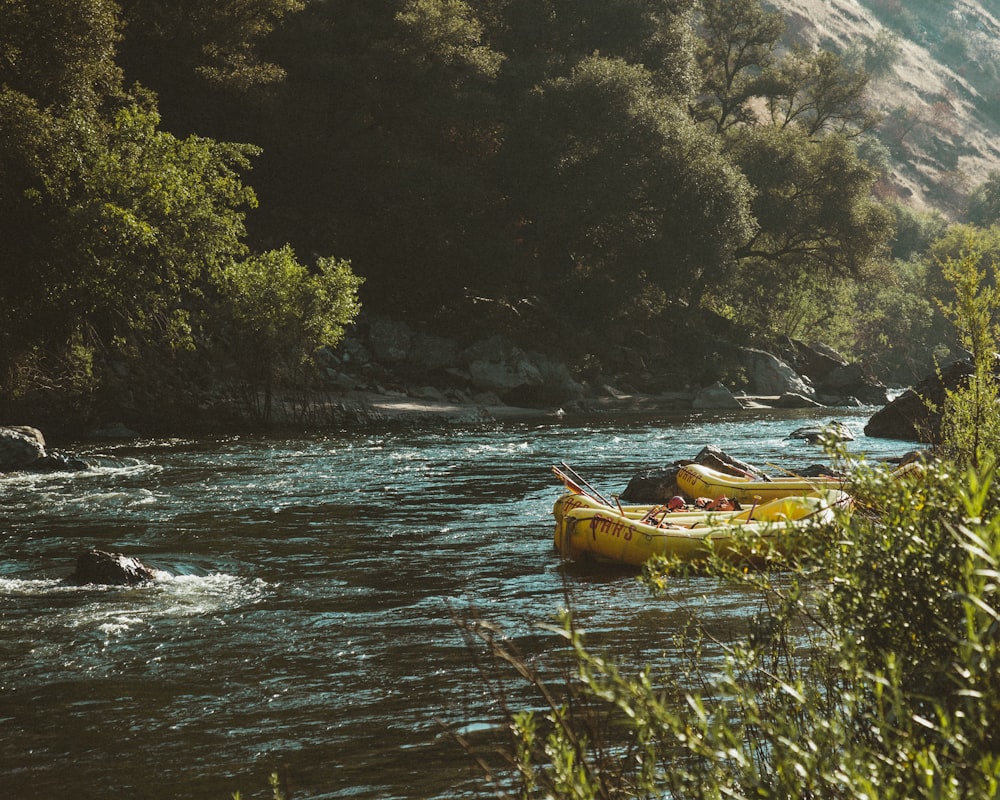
(915,415)
(21,447)
(719,460)
(769,375)
(652,485)
(816,434)
(110,569)
(658,485)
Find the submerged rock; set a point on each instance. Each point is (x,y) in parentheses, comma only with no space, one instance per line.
(816,434)
(109,569)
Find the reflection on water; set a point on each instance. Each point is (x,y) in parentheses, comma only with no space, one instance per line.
(302,618)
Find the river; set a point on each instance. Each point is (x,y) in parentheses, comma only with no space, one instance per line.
(303,616)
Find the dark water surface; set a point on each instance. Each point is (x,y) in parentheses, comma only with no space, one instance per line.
(304,616)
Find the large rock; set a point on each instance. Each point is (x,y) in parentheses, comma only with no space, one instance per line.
(659,484)
(852,380)
(719,460)
(390,340)
(908,416)
(769,375)
(21,447)
(656,485)
(498,365)
(430,353)
(516,376)
(715,396)
(814,361)
(110,569)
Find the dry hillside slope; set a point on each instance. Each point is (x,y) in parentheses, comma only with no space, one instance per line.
(941,97)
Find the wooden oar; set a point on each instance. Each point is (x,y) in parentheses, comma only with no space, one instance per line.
(571,484)
(580,478)
(568,482)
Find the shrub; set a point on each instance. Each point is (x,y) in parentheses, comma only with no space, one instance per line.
(870,672)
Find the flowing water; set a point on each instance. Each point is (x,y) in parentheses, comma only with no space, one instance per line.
(302,619)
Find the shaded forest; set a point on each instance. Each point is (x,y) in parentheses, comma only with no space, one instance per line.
(195,192)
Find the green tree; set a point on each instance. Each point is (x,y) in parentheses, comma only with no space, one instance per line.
(193,45)
(881,54)
(812,202)
(737,55)
(283,312)
(953,244)
(381,142)
(158,218)
(58,82)
(914,230)
(898,329)
(114,234)
(970,433)
(612,180)
(60,53)
(123,227)
(984,202)
(545,39)
(820,93)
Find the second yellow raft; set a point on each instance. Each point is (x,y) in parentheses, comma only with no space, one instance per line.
(697,480)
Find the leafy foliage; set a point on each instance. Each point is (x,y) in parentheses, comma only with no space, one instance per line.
(971,427)
(219,42)
(984,203)
(865,672)
(60,52)
(633,162)
(283,312)
(870,669)
(114,233)
(737,55)
(617,179)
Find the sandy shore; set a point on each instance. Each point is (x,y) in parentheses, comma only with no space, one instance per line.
(401,408)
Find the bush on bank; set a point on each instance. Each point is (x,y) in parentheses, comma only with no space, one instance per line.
(872,671)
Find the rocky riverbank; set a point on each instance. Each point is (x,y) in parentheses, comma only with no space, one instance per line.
(387,372)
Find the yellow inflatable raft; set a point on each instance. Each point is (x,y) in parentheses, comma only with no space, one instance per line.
(604,534)
(696,480)
(657,512)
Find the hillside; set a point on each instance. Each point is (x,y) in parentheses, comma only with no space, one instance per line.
(940,97)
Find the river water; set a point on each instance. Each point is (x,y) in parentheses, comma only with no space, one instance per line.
(302,620)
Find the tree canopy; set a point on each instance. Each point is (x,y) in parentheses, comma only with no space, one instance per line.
(114,234)
(629,159)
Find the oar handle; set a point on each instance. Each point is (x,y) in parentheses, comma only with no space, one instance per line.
(581,479)
(571,484)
